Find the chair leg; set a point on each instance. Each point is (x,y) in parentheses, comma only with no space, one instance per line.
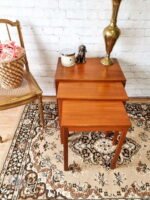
(66,133)
(41,111)
(118,149)
(1,140)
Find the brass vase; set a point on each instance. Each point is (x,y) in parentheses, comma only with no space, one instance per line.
(111,33)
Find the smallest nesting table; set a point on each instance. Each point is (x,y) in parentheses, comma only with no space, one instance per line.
(94,116)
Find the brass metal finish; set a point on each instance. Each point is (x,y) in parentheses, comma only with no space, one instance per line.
(27,92)
(111,33)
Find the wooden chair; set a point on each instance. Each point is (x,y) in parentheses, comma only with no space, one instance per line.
(29,90)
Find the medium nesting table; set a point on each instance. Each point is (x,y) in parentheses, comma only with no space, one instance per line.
(94,116)
(81,91)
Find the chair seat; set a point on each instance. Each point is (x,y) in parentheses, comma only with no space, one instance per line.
(27,90)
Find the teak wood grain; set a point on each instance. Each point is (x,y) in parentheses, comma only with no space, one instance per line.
(94,116)
(92,91)
(86,113)
(90,98)
(92,70)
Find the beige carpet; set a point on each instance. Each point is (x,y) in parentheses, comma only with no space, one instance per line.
(34,165)
(8,123)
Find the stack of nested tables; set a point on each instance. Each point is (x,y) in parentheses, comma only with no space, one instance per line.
(91,97)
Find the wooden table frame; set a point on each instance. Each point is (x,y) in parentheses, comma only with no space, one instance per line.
(91,71)
(122,130)
(99,91)
(103,116)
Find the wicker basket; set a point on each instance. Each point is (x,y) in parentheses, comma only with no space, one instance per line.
(11,73)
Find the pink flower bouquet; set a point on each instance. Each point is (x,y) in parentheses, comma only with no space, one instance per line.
(9,51)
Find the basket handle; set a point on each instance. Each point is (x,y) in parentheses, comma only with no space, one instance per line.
(8,32)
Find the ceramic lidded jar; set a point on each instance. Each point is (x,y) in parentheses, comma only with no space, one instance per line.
(68,57)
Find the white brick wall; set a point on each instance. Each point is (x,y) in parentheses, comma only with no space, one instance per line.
(51,25)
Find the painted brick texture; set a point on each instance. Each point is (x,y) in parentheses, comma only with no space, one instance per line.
(51,25)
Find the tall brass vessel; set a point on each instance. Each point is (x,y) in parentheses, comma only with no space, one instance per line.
(111,33)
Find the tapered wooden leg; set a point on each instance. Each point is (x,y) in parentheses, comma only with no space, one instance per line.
(41,111)
(59,103)
(62,135)
(66,133)
(118,149)
(1,140)
(116,133)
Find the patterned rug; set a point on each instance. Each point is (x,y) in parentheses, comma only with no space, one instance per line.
(34,165)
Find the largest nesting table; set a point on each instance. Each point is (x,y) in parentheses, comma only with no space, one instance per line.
(91,71)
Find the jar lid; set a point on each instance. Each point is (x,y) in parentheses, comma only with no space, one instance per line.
(67,52)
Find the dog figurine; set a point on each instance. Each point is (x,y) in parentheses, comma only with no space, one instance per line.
(81,54)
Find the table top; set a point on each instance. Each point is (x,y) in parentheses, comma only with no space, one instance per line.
(92,70)
(92,91)
(94,114)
